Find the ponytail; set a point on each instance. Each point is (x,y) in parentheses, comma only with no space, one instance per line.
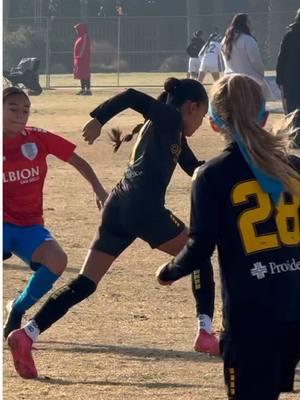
(237,100)
(116,136)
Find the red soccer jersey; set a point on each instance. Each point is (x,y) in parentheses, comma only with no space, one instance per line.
(24,172)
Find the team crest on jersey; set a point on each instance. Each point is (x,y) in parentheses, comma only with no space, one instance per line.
(29,150)
(175,150)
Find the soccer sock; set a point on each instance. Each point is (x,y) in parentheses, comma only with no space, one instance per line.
(62,300)
(32,330)
(82,84)
(40,282)
(203,287)
(204,322)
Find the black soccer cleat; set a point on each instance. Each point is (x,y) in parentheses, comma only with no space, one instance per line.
(170,272)
(13,320)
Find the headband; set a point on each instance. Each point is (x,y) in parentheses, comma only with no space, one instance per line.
(269,184)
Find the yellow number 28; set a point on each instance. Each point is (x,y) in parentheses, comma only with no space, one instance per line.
(286,218)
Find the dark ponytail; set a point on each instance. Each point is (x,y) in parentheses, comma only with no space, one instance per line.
(176,93)
(116,136)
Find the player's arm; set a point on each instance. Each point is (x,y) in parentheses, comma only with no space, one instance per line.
(149,107)
(282,60)
(203,234)
(84,168)
(187,159)
(65,151)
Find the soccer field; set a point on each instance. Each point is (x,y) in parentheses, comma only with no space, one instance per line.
(132,339)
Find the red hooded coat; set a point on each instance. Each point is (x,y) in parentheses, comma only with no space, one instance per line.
(82,53)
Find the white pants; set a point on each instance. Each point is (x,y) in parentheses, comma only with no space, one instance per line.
(194,64)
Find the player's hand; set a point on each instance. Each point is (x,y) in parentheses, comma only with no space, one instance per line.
(100,200)
(91,130)
(99,204)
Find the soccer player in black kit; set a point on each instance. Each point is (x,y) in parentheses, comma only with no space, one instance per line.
(246,202)
(136,206)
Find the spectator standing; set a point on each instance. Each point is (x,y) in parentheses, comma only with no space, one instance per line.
(287,70)
(193,50)
(241,53)
(82,59)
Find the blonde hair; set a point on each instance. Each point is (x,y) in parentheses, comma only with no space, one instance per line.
(237,99)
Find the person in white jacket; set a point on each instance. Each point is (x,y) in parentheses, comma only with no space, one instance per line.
(241,53)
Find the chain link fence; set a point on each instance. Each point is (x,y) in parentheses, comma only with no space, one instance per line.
(126,46)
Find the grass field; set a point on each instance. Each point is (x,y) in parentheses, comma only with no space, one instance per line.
(132,339)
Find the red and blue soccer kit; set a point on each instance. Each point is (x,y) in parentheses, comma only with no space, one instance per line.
(24,172)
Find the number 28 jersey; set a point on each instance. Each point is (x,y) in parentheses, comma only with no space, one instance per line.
(258,242)
(24,172)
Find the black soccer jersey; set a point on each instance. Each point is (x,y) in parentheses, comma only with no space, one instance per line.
(158,148)
(258,243)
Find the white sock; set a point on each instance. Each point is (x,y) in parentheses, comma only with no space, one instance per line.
(204,322)
(32,330)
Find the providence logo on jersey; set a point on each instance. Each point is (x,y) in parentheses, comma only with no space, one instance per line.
(260,270)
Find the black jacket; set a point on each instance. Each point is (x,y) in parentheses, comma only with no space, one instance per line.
(195,46)
(288,63)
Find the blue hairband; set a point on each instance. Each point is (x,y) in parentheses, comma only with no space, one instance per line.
(270,185)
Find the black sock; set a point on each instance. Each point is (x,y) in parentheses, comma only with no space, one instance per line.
(62,300)
(88,84)
(82,83)
(203,287)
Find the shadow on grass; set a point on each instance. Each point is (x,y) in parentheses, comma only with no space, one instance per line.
(25,268)
(148,385)
(142,353)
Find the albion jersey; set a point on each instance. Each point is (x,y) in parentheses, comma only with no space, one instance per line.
(158,148)
(24,172)
(258,242)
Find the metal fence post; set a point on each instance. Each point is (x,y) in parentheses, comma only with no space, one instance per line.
(47,54)
(118,50)
(188,22)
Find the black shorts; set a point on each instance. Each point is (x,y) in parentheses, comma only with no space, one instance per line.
(261,363)
(123,221)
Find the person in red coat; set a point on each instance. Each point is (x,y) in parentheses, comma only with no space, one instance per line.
(82,59)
